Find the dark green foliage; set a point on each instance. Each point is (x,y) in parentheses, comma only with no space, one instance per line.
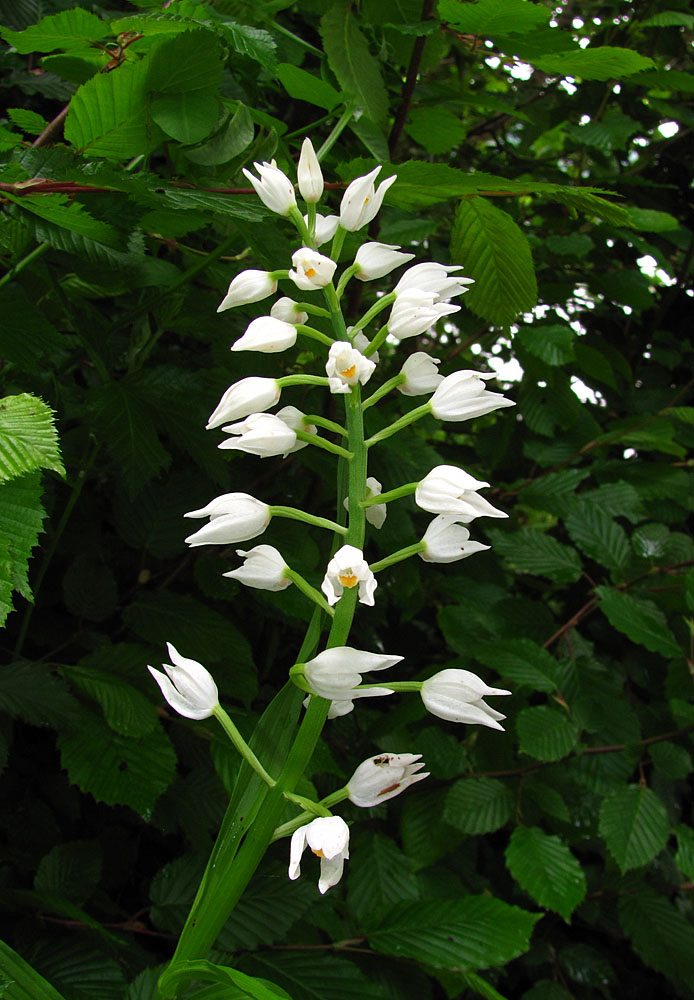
(549,862)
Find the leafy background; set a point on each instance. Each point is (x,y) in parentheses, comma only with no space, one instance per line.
(547,149)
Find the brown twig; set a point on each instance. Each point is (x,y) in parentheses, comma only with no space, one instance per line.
(410,82)
(52,129)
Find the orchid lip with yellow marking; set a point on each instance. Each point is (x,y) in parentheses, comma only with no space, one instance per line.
(310,272)
(348,581)
(349,372)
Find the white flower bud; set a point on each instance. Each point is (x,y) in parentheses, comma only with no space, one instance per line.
(261,434)
(449,490)
(463,395)
(246,287)
(381,777)
(234,517)
(295,419)
(448,541)
(250,395)
(375,260)
(187,686)
(433,278)
(263,568)
(361,202)
(421,375)
(336,673)
(309,174)
(456,695)
(287,310)
(268,335)
(273,187)
(414,312)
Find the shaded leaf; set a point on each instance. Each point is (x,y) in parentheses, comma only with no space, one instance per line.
(545,867)
(545,733)
(639,619)
(28,438)
(478,805)
(351,61)
(635,826)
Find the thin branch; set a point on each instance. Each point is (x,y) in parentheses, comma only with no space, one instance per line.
(53,128)
(410,82)
(613,748)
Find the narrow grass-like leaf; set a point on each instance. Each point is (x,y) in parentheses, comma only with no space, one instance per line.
(24,982)
(635,826)
(545,867)
(494,251)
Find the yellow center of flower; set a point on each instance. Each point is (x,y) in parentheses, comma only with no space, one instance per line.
(349,372)
(318,853)
(349,580)
(309,272)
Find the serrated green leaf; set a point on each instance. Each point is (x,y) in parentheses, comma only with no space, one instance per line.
(652,221)
(237,206)
(108,114)
(423,842)
(573,245)
(59,210)
(25,982)
(496,254)
(672,760)
(351,61)
(303,86)
(187,117)
(522,661)
(256,43)
(70,29)
(639,619)
(29,691)
(126,710)
(545,733)
(668,19)
(554,491)
(268,908)
(659,932)
(71,870)
(236,136)
(597,535)
(651,541)
(116,769)
(187,63)
(19,313)
(471,933)
(122,419)
(612,131)
(552,344)
(80,973)
(312,977)
(28,438)
(21,522)
(437,129)
(28,121)
(617,499)
(382,877)
(606,62)
(634,823)
(533,551)
(478,805)
(545,867)
(684,858)
(491,17)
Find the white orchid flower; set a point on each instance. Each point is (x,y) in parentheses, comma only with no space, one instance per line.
(311,269)
(456,695)
(463,395)
(250,395)
(287,310)
(375,260)
(449,490)
(328,838)
(382,777)
(348,569)
(187,686)
(234,517)
(335,673)
(361,202)
(309,174)
(414,312)
(267,335)
(448,541)
(421,375)
(346,366)
(247,287)
(261,434)
(263,568)
(273,187)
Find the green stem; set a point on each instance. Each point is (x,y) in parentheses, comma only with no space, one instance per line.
(348,273)
(399,685)
(387,387)
(308,331)
(297,218)
(311,215)
(329,425)
(338,128)
(241,745)
(296,514)
(24,262)
(322,443)
(396,557)
(375,309)
(312,808)
(398,425)
(314,310)
(310,592)
(378,341)
(287,380)
(338,240)
(293,824)
(396,494)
